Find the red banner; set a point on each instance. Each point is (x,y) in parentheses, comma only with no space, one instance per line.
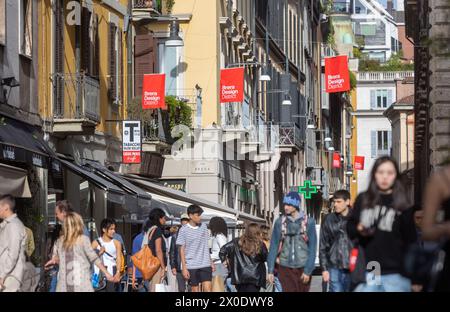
(153,91)
(336,160)
(232,85)
(359,163)
(337,77)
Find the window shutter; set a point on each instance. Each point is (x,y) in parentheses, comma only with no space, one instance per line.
(85,40)
(120,67)
(59,60)
(112,63)
(373,99)
(96,47)
(389,98)
(373,144)
(145,52)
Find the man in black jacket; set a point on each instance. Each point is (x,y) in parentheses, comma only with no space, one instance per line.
(335,245)
(175,258)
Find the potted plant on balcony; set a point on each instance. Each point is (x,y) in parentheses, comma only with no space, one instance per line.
(178,113)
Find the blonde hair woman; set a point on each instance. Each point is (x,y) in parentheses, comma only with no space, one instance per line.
(74,254)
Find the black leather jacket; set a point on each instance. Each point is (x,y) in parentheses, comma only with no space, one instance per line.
(245,269)
(174,254)
(335,245)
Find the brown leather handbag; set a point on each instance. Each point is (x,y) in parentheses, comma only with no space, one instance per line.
(145,261)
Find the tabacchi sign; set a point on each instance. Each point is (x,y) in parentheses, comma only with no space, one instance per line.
(131,146)
(153,89)
(232,85)
(337,77)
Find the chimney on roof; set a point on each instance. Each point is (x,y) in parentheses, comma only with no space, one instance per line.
(390,6)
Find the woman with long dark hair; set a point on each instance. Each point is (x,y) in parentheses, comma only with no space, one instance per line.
(219,232)
(157,244)
(246,257)
(382,224)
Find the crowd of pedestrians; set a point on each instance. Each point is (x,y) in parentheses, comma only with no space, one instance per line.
(380,243)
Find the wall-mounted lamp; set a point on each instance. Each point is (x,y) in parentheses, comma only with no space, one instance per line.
(10,82)
(265,75)
(311,125)
(174,36)
(287,100)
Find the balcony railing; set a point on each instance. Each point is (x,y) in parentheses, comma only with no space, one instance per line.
(383,76)
(151,132)
(290,135)
(341,7)
(77,97)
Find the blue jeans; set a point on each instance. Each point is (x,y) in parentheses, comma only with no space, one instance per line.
(54,279)
(385,283)
(277,285)
(229,287)
(339,280)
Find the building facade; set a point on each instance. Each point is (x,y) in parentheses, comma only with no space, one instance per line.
(428,23)
(82,94)
(376,91)
(25,160)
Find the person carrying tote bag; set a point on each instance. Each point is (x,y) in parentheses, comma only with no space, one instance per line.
(144,260)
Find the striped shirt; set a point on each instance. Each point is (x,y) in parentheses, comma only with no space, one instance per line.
(195,240)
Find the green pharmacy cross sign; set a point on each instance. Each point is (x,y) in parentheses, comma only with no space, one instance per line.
(307,189)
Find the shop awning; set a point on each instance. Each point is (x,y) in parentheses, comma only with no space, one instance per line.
(179,198)
(143,198)
(114,193)
(14,181)
(178,207)
(23,143)
(20,142)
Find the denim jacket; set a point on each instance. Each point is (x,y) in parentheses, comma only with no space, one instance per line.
(289,262)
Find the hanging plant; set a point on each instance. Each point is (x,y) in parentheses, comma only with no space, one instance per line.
(180,113)
(169,6)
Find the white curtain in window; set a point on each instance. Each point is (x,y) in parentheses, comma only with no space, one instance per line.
(2,22)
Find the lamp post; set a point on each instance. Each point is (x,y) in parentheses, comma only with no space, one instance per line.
(10,82)
(287,99)
(174,35)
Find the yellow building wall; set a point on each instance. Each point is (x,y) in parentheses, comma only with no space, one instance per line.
(202,53)
(45,55)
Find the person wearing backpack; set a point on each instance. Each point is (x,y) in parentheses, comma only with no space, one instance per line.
(335,245)
(294,241)
(110,251)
